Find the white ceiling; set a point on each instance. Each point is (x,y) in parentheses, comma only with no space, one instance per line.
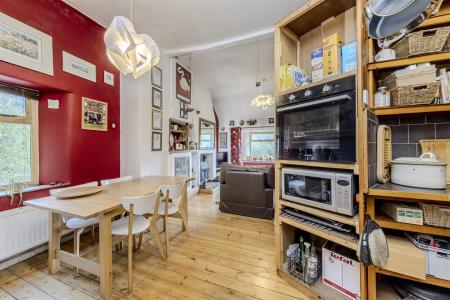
(231,74)
(176,24)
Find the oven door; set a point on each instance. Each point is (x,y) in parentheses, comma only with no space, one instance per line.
(321,130)
(313,188)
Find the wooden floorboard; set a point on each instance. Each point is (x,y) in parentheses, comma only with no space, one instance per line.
(225,257)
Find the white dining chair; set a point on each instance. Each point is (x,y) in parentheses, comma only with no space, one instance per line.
(106,182)
(78,225)
(172,207)
(136,223)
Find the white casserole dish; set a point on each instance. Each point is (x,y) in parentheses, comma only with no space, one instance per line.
(422,172)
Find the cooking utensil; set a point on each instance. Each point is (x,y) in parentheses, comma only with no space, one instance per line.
(79,192)
(441,148)
(390,20)
(420,172)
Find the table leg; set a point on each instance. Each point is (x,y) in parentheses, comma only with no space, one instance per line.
(54,241)
(105,251)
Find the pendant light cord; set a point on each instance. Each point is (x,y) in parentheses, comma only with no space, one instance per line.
(131,11)
(257,59)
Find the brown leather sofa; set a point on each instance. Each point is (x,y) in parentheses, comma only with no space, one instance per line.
(247,191)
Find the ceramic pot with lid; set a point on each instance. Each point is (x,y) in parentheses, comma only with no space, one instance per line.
(421,172)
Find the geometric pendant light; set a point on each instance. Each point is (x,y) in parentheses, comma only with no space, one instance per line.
(128,51)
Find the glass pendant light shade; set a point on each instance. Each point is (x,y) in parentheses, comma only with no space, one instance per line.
(263,100)
(128,51)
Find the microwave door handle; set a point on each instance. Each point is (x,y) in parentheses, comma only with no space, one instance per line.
(313,103)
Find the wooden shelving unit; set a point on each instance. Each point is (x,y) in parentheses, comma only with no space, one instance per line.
(387,222)
(296,36)
(326,165)
(407,110)
(390,190)
(398,63)
(335,237)
(181,135)
(352,221)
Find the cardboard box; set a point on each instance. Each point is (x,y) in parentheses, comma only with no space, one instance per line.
(317,65)
(331,55)
(349,54)
(438,264)
(403,212)
(340,270)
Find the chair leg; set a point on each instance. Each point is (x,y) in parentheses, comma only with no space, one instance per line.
(166,232)
(140,241)
(93,234)
(130,262)
(184,219)
(154,231)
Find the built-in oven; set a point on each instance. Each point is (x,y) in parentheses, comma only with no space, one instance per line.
(319,123)
(329,190)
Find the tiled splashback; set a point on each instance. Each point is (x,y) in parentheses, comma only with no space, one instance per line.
(408,130)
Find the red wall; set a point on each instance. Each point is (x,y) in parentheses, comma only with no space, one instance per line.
(68,153)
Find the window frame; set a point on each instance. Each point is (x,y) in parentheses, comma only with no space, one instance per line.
(32,118)
(250,140)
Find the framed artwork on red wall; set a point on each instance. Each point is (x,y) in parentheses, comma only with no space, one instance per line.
(94,115)
(183,83)
(25,46)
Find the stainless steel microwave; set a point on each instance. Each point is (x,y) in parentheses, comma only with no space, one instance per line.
(329,190)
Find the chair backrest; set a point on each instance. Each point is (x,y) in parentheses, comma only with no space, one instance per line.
(175,192)
(114,180)
(53,192)
(142,205)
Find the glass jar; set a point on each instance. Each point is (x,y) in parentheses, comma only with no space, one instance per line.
(382,97)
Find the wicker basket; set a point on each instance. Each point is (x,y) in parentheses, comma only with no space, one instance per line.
(436,215)
(415,94)
(422,42)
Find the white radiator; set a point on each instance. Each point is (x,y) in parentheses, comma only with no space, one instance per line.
(22,229)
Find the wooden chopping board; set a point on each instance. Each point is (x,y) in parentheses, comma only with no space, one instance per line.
(79,192)
(440,148)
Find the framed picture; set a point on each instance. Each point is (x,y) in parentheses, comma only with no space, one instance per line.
(183,83)
(183,110)
(231,124)
(157,119)
(156,98)
(108,78)
(94,114)
(223,140)
(271,120)
(157,77)
(25,46)
(78,67)
(156,141)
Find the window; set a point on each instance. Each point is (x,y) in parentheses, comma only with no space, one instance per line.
(18,136)
(262,145)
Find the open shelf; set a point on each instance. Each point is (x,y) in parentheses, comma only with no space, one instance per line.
(352,221)
(317,291)
(338,238)
(390,190)
(435,21)
(385,221)
(429,279)
(389,111)
(403,62)
(315,164)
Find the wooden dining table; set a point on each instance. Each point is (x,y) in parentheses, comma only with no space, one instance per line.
(104,205)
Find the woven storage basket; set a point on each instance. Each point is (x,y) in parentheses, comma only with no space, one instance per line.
(414,94)
(422,42)
(436,215)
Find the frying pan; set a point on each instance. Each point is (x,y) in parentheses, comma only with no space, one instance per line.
(390,20)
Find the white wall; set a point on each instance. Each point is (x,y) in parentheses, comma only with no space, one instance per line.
(137,158)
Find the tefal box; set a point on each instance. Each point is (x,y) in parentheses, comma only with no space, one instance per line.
(331,55)
(340,270)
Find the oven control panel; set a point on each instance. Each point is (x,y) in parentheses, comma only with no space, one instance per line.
(310,93)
